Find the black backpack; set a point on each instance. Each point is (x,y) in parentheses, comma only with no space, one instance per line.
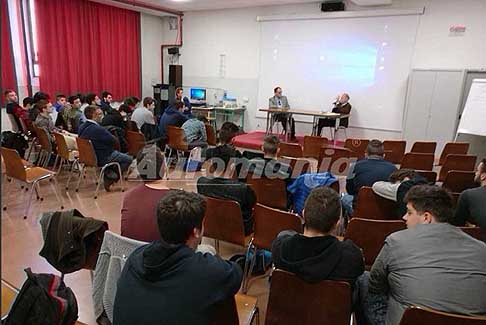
(15,141)
(43,300)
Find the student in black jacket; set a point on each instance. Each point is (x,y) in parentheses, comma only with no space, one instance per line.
(167,282)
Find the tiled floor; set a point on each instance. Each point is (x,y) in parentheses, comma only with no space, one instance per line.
(22,239)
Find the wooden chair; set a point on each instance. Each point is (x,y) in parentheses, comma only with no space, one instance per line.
(420,161)
(293,301)
(268,224)
(458,181)
(176,140)
(271,192)
(370,235)
(453,148)
(424,147)
(372,206)
(312,146)
(394,150)
(16,169)
(425,316)
(46,149)
(136,142)
(240,309)
(335,160)
(299,165)
(290,150)
(475,232)
(64,154)
(132,126)
(357,146)
(87,159)
(429,175)
(457,162)
(210,134)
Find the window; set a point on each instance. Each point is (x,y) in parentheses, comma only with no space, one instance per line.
(33,39)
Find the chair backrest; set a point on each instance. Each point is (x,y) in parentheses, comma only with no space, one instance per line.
(357,146)
(420,315)
(223,221)
(429,175)
(210,134)
(299,165)
(293,301)
(312,146)
(290,150)
(13,164)
(62,147)
(459,180)
(177,138)
(453,148)
(43,137)
(87,155)
(136,142)
(475,232)
(270,222)
(424,147)
(132,126)
(271,192)
(370,235)
(225,313)
(372,206)
(335,160)
(394,150)
(421,161)
(457,162)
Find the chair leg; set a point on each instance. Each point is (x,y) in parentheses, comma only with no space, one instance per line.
(121,178)
(249,265)
(38,191)
(61,162)
(82,171)
(56,186)
(71,173)
(98,181)
(32,189)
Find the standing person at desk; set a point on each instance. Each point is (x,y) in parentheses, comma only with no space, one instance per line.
(341,106)
(279,101)
(187,104)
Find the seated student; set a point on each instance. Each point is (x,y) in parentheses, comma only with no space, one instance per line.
(167,282)
(60,102)
(431,264)
(225,150)
(341,106)
(397,186)
(317,254)
(103,143)
(279,101)
(70,117)
(173,115)
(34,111)
(471,206)
(106,99)
(114,117)
(366,172)
(195,131)
(44,118)
(138,221)
(27,104)
(187,104)
(131,102)
(93,99)
(13,106)
(144,114)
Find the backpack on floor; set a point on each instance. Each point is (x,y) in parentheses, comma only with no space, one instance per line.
(43,300)
(15,141)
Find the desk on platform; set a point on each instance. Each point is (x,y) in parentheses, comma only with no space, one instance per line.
(227,114)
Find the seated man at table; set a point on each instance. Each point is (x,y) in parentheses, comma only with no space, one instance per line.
(279,101)
(341,106)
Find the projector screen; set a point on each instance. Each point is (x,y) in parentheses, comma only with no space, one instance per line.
(314,60)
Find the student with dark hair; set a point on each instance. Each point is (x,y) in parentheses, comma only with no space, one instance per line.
(106,99)
(60,102)
(116,118)
(132,103)
(431,264)
(187,103)
(71,117)
(144,114)
(40,95)
(167,281)
(366,172)
(317,254)
(93,99)
(173,115)
(225,149)
(195,131)
(471,206)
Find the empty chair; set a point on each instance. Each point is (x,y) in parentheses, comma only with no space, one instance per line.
(268,224)
(458,181)
(290,150)
(136,142)
(335,160)
(357,146)
(293,301)
(429,175)
(312,146)
(457,162)
(210,134)
(64,154)
(394,150)
(453,148)
(424,147)
(425,316)
(372,206)
(420,161)
(271,192)
(176,140)
(370,235)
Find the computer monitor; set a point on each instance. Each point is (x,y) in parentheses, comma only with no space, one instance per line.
(198,94)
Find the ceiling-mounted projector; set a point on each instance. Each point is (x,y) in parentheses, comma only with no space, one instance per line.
(366,3)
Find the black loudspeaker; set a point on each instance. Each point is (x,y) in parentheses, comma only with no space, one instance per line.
(173,50)
(332,6)
(175,75)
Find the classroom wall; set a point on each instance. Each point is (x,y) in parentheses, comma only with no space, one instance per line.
(151,38)
(235,33)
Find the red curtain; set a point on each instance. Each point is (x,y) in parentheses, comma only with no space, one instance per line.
(85,46)
(8,70)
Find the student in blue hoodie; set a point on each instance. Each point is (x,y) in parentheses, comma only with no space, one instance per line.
(173,115)
(167,281)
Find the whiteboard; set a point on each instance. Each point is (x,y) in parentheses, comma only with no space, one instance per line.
(473,119)
(314,60)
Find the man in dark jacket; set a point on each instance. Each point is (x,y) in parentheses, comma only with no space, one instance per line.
(167,282)
(173,115)
(317,254)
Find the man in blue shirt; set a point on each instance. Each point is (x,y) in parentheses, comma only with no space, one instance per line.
(173,115)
